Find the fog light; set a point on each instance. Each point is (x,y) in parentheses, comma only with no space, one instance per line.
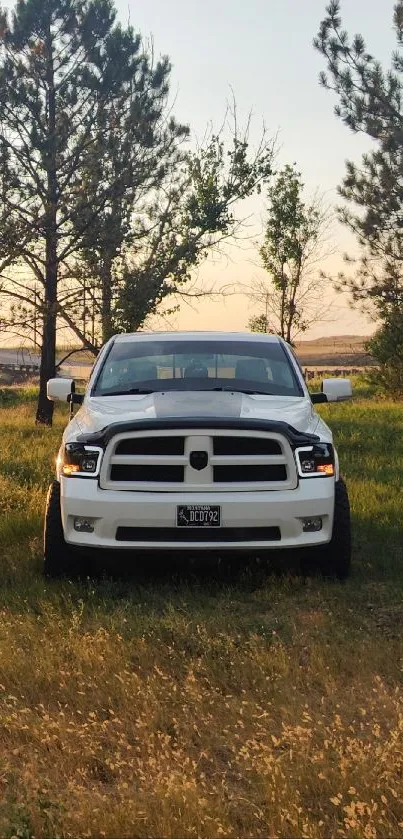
(84,525)
(311,525)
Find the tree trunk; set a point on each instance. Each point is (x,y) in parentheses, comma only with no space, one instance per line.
(283,302)
(294,286)
(44,413)
(107,327)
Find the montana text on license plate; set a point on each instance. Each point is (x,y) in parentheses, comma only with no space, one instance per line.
(198,515)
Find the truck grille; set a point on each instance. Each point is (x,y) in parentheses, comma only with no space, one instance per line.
(200,534)
(215,460)
(151,472)
(151,445)
(245,446)
(243,472)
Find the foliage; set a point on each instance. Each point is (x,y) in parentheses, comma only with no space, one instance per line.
(291,300)
(187,220)
(129,270)
(64,66)
(387,348)
(259,323)
(138,150)
(193,700)
(102,213)
(370,101)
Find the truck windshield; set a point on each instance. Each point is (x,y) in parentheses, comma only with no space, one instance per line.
(148,366)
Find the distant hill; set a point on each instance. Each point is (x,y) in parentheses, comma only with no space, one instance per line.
(342,350)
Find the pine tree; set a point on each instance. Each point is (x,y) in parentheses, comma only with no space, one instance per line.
(137,150)
(64,66)
(370,102)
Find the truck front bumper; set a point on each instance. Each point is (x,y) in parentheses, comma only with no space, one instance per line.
(243,512)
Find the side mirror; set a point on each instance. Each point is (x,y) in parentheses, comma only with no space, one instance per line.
(318,398)
(59,390)
(75,398)
(337,390)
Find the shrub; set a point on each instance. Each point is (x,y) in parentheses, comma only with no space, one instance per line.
(387,348)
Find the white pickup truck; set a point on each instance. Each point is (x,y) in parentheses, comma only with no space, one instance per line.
(197,442)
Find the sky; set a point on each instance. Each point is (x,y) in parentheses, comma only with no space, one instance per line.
(262,51)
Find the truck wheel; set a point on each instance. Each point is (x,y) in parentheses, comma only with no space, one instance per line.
(334,559)
(57,556)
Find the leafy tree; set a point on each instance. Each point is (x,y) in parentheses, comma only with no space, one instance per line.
(370,101)
(260,323)
(193,209)
(83,130)
(291,300)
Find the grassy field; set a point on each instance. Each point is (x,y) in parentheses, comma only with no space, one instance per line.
(196,701)
(339,350)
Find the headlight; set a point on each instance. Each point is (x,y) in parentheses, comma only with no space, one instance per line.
(316,461)
(80,460)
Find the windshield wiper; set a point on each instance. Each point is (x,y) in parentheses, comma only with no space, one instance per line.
(244,390)
(132,391)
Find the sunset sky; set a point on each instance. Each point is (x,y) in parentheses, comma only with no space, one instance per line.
(262,50)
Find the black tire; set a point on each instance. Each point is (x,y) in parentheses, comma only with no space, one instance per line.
(58,559)
(334,559)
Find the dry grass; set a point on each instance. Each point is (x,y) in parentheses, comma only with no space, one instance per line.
(335,350)
(199,702)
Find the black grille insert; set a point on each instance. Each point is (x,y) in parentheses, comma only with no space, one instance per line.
(249,474)
(194,534)
(157,474)
(151,445)
(245,445)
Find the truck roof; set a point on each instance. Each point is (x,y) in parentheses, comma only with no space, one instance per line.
(199,336)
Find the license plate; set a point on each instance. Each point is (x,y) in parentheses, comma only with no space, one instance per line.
(198,515)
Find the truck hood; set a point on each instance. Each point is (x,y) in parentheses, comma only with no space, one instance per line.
(98,413)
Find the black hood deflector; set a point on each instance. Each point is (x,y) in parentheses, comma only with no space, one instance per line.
(295,438)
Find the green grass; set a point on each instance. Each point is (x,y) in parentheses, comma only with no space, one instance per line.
(193,701)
